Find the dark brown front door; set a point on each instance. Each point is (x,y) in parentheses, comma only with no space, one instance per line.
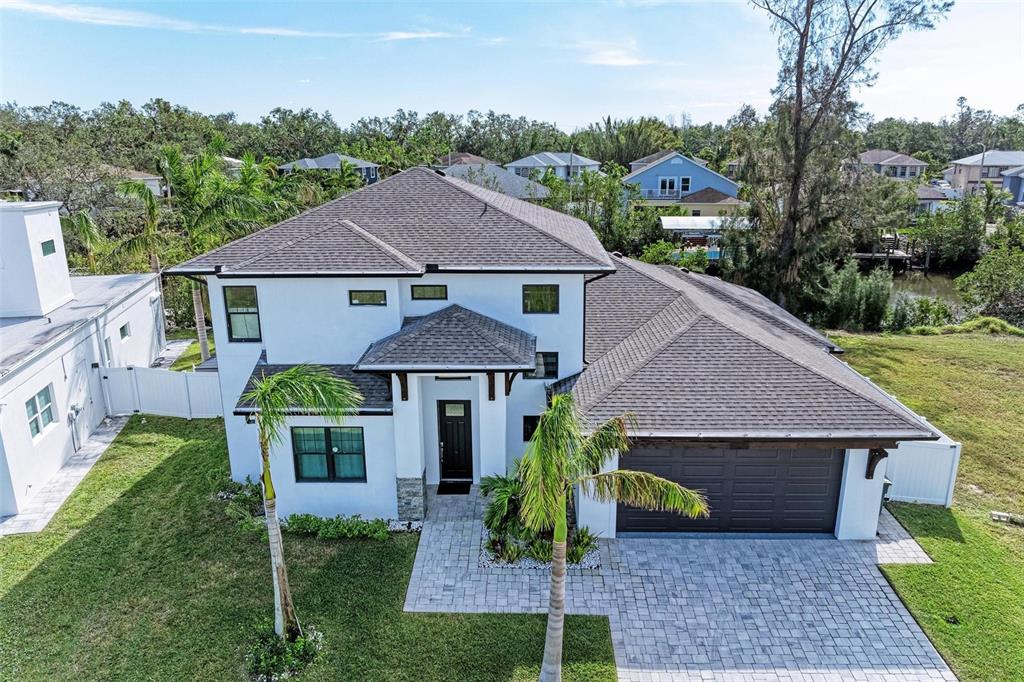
(455,437)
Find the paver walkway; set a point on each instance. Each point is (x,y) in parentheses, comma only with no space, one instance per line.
(44,504)
(795,609)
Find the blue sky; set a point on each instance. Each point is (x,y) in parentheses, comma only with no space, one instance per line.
(570,63)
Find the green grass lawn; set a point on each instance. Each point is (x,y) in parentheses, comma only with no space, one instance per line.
(142,575)
(192,356)
(971,600)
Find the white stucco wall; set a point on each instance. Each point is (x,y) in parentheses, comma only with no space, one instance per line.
(860,498)
(68,366)
(375,498)
(31,284)
(599,517)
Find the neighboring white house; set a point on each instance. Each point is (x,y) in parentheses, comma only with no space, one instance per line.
(970,172)
(564,165)
(457,311)
(55,332)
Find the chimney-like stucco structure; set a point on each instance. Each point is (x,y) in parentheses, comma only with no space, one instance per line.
(34,277)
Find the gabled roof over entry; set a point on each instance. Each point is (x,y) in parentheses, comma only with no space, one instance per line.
(413,221)
(452,339)
(717,361)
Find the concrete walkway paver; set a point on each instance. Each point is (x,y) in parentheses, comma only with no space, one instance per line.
(706,608)
(44,504)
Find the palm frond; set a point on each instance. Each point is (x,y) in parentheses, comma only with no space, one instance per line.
(305,388)
(544,469)
(84,228)
(608,439)
(645,491)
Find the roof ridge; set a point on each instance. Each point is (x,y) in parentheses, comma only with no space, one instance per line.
(650,356)
(471,323)
(814,370)
(457,185)
(383,245)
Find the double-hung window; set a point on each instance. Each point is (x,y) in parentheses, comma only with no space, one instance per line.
(684,184)
(329,453)
(667,187)
(40,410)
(547,367)
(540,298)
(243,313)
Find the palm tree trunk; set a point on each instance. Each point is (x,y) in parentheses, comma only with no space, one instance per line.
(551,669)
(197,308)
(286,621)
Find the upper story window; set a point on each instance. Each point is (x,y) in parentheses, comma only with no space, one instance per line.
(125,331)
(243,313)
(667,185)
(40,410)
(684,184)
(540,298)
(530,422)
(329,454)
(49,247)
(367,297)
(429,292)
(547,367)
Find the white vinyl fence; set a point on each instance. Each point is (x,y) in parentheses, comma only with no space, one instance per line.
(923,471)
(162,392)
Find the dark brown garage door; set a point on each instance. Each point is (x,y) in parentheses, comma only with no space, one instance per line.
(747,490)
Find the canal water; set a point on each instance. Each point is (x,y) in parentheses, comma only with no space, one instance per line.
(934,285)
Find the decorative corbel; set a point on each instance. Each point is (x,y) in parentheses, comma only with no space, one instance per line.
(875,455)
(509,378)
(490,385)
(403,383)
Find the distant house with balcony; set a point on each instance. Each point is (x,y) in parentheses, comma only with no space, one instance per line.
(564,165)
(671,179)
(970,172)
(332,162)
(892,164)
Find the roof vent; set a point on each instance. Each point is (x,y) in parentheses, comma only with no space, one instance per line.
(686,270)
(617,254)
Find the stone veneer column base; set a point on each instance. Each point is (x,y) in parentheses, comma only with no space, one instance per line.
(412,498)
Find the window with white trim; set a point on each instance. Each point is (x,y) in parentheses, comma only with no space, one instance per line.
(684,184)
(125,331)
(666,186)
(40,411)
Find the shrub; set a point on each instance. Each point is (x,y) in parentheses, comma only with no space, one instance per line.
(501,516)
(271,658)
(917,312)
(853,301)
(660,253)
(540,549)
(979,325)
(696,261)
(874,298)
(581,542)
(245,503)
(337,527)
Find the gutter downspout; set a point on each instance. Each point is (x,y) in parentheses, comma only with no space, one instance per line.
(104,364)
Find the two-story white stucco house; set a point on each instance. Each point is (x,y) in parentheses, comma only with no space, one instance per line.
(458,310)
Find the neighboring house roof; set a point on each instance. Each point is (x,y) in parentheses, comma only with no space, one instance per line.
(462,158)
(717,361)
(327,162)
(376,389)
(452,339)
(23,337)
(413,221)
(651,158)
(993,157)
(557,159)
(926,193)
(1014,172)
(671,154)
(493,176)
(709,195)
(887,157)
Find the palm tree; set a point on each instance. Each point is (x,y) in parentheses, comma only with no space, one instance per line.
(151,239)
(307,389)
(84,228)
(559,457)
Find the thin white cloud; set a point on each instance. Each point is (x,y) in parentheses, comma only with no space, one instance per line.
(103,16)
(604,55)
(302,81)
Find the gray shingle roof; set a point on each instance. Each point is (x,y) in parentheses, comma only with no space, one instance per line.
(709,195)
(327,162)
(993,157)
(461,158)
(714,362)
(888,157)
(413,219)
(453,338)
(651,158)
(376,389)
(493,176)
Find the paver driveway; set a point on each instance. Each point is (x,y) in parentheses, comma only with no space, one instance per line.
(703,609)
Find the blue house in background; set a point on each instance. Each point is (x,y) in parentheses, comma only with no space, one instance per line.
(1013,182)
(670,179)
(332,162)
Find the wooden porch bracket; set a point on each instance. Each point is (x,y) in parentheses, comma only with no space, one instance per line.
(490,385)
(509,378)
(875,455)
(403,382)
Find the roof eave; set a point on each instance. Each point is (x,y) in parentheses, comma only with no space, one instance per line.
(782,435)
(442,368)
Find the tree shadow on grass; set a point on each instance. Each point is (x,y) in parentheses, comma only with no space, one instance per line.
(928,521)
(142,574)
